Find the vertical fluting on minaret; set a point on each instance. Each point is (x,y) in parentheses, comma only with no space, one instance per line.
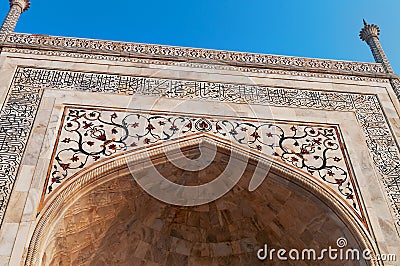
(9,23)
(370,34)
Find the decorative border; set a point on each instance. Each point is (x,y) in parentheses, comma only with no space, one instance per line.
(46,42)
(17,115)
(396,86)
(203,65)
(16,121)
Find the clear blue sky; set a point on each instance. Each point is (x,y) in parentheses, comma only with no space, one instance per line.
(313,28)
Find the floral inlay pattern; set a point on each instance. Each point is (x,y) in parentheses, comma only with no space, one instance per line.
(88,135)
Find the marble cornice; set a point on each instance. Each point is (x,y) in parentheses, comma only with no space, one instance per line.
(174,53)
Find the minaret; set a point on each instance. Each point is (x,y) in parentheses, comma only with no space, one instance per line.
(370,34)
(16,8)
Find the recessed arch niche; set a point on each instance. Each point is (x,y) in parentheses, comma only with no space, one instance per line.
(103,217)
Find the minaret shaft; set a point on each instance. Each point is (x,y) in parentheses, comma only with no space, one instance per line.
(370,34)
(9,23)
(379,54)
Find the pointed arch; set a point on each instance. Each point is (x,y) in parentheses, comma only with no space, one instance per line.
(110,169)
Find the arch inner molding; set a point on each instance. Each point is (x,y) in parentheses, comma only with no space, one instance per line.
(19,111)
(89,135)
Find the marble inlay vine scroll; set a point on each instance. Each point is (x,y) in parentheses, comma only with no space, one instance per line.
(91,134)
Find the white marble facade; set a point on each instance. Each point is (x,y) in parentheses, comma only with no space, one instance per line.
(361,103)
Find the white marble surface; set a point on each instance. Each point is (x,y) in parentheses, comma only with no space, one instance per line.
(21,215)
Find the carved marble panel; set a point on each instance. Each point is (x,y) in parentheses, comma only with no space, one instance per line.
(203,65)
(183,53)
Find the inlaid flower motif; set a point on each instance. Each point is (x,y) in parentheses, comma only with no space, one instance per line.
(95,135)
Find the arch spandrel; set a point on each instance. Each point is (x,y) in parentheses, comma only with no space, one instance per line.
(89,135)
(66,202)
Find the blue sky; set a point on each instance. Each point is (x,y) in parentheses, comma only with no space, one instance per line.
(320,29)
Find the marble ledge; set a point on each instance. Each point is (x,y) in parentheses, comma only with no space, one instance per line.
(173,53)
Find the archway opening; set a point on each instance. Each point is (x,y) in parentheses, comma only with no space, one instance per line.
(117,222)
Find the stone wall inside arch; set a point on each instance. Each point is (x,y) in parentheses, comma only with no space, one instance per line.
(116,222)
